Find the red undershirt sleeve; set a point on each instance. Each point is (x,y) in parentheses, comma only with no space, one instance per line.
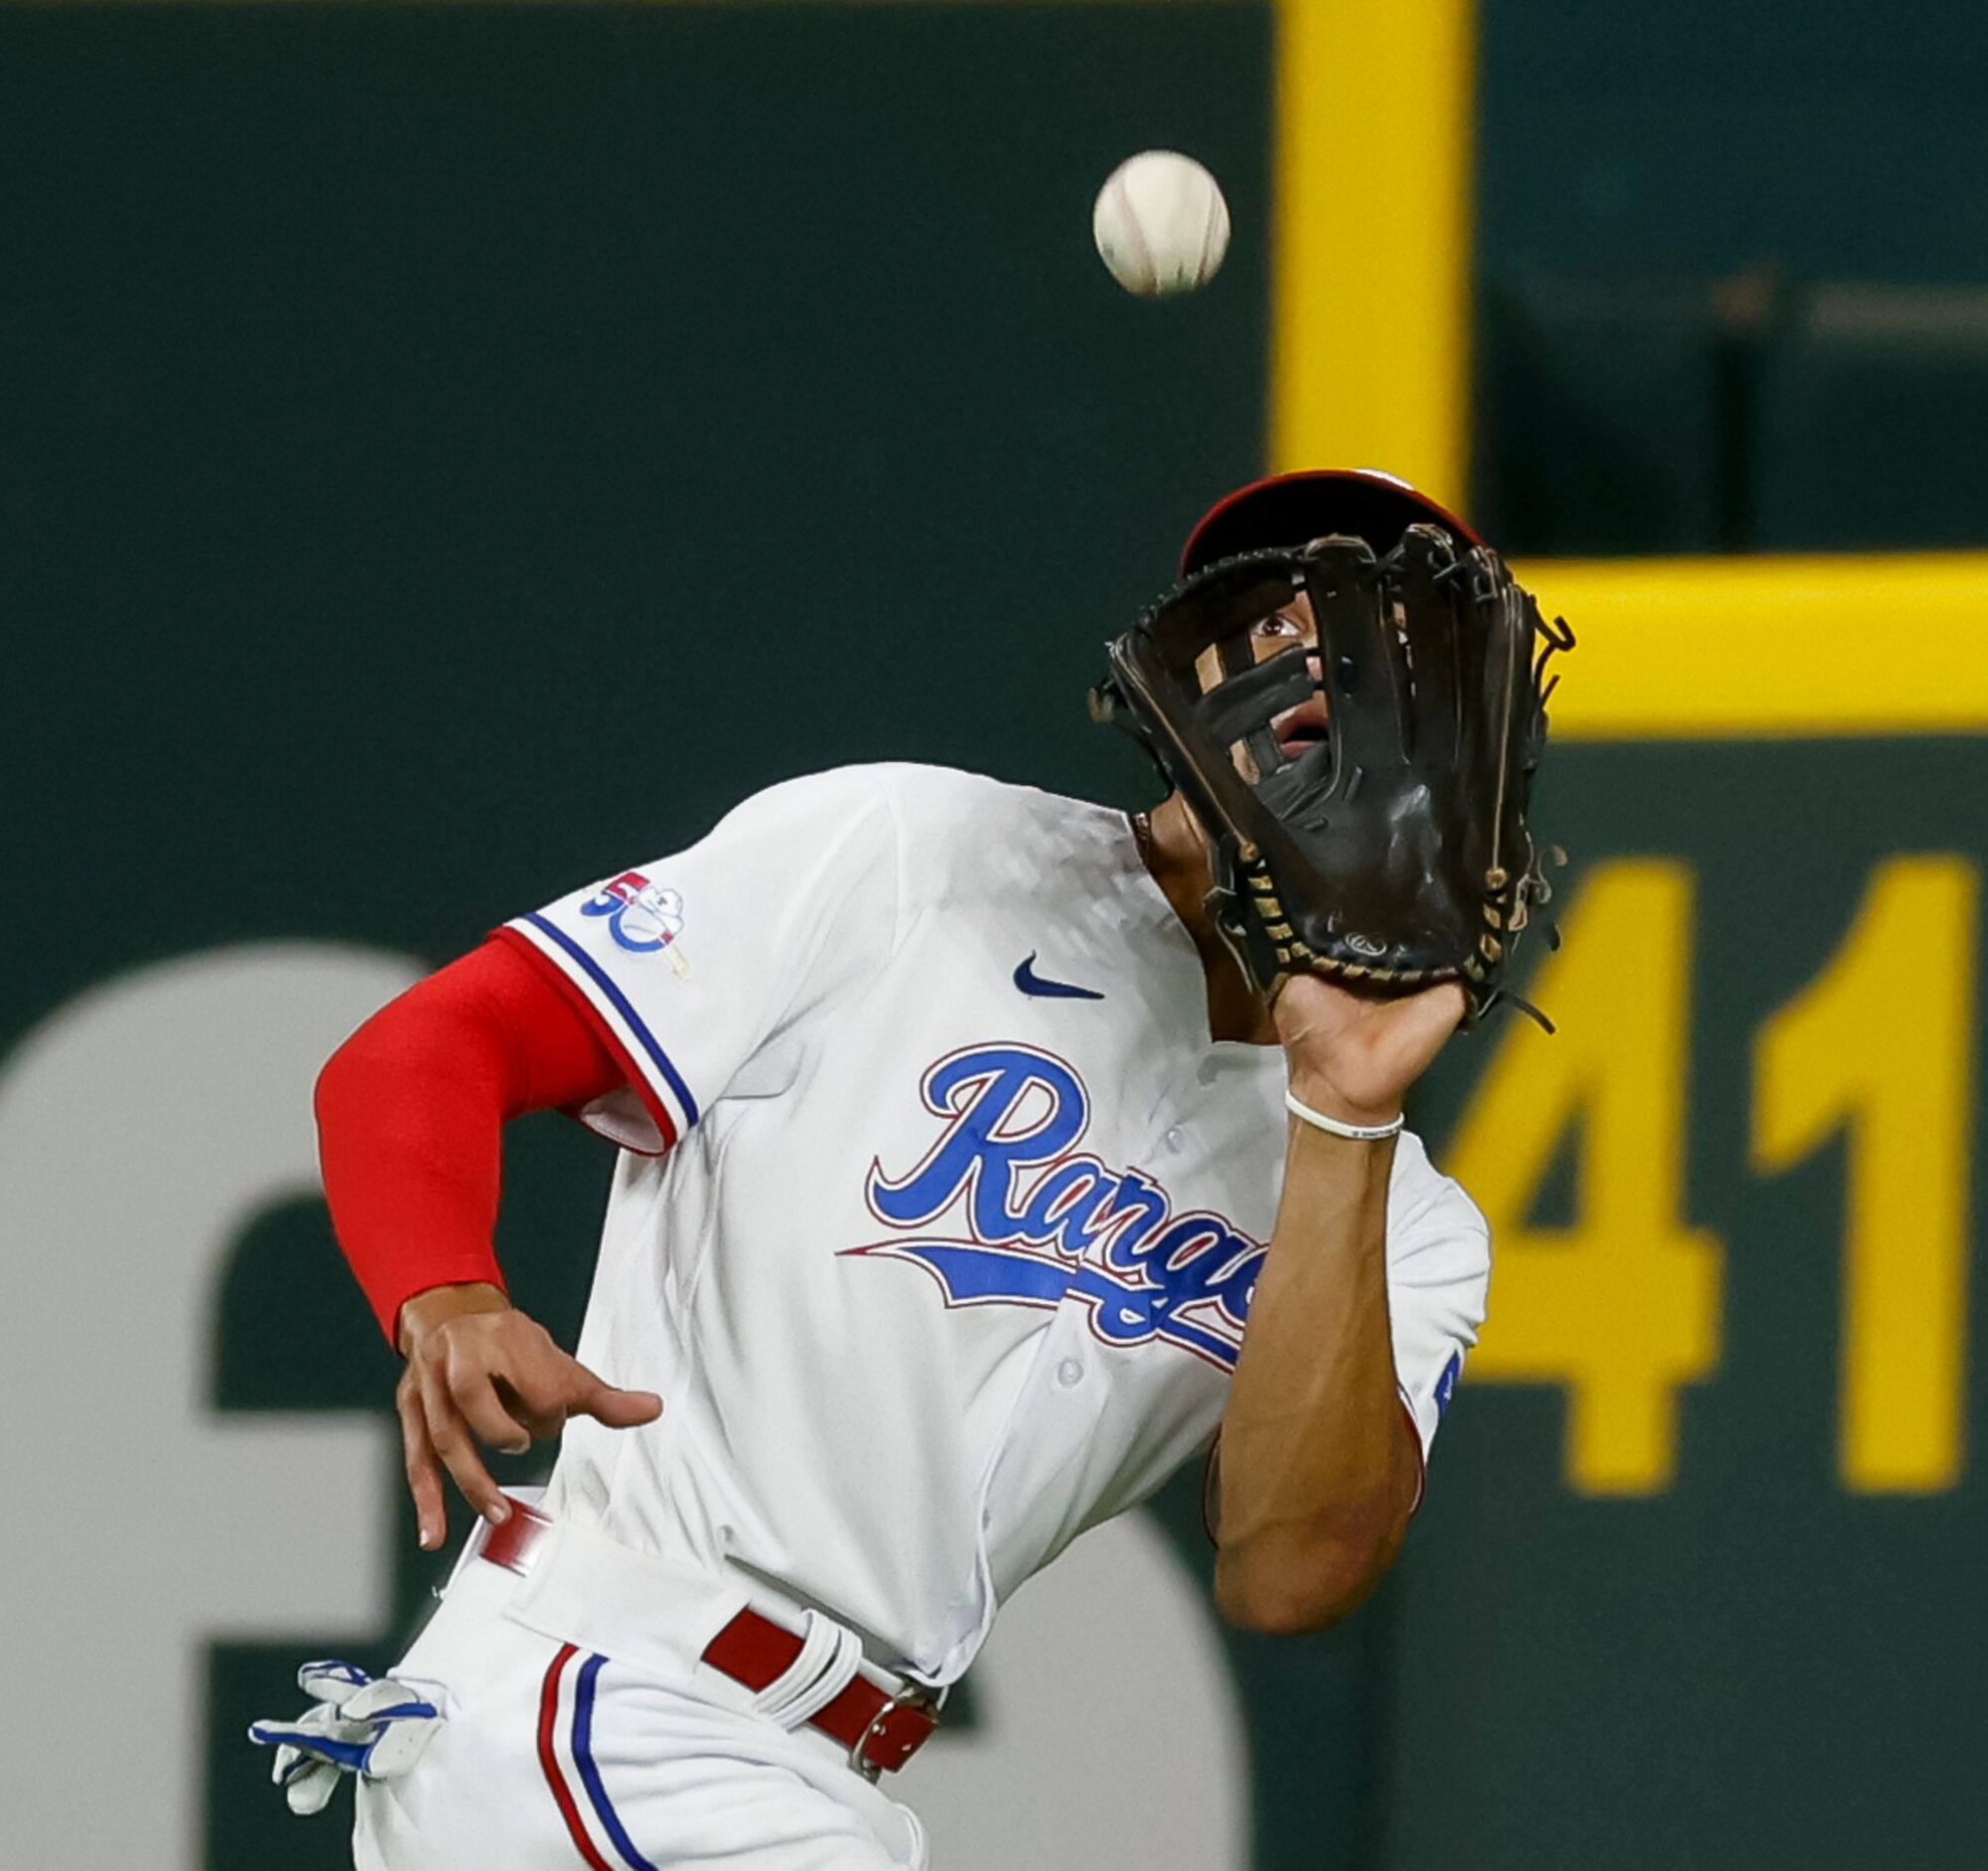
(411,1108)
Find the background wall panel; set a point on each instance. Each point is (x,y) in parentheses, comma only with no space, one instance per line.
(452,452)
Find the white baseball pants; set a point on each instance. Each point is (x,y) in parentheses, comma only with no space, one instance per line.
(555,1757)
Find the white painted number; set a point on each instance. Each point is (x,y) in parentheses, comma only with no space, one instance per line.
(141,1126)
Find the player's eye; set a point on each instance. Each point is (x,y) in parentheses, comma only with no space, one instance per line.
(1278,624)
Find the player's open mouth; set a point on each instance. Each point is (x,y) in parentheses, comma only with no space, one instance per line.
(1300,727)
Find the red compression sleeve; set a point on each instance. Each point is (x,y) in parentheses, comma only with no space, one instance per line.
(412,1109)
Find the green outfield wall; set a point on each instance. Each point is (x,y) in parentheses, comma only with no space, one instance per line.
(454,452)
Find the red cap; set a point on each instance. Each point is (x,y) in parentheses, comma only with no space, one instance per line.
(1288,509)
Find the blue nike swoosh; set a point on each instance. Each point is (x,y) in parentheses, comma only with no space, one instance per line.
(1030,983)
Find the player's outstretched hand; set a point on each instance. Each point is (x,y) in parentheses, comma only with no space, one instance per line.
(480,1371)
(1354,1056)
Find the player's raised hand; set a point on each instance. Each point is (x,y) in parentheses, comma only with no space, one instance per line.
(480,1371)
(1354,1056)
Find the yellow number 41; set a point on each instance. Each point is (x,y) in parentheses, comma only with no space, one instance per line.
(1622,1307)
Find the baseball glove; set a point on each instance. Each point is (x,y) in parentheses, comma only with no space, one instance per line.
(1380,838)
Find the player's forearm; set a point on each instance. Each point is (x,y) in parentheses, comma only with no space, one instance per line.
(411,1111)
(1319,1473)
(410,1142)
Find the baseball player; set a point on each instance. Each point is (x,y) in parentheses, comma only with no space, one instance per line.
(968,1183)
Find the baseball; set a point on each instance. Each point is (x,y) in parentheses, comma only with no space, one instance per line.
(1160,224)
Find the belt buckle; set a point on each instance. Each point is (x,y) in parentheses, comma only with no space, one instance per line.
(916,1695)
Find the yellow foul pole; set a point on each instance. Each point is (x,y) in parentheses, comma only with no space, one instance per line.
(1370,347)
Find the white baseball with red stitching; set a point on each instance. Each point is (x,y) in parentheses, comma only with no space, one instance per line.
(1160,224)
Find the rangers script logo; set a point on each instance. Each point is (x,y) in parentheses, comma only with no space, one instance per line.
(1004,1210)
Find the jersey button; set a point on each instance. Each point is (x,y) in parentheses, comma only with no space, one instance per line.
(1070,1373)
(1176,1137)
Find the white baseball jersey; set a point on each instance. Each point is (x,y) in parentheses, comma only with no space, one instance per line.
(939,1212)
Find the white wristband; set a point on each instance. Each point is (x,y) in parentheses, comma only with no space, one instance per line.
(1359,1133)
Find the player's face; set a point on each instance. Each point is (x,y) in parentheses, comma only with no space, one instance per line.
(1295,728)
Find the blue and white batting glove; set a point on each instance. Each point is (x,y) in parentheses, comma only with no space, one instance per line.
(357,1725)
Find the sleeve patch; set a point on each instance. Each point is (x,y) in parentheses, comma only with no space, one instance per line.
(643,918)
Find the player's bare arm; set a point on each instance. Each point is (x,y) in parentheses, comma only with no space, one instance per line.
(1320,1465)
